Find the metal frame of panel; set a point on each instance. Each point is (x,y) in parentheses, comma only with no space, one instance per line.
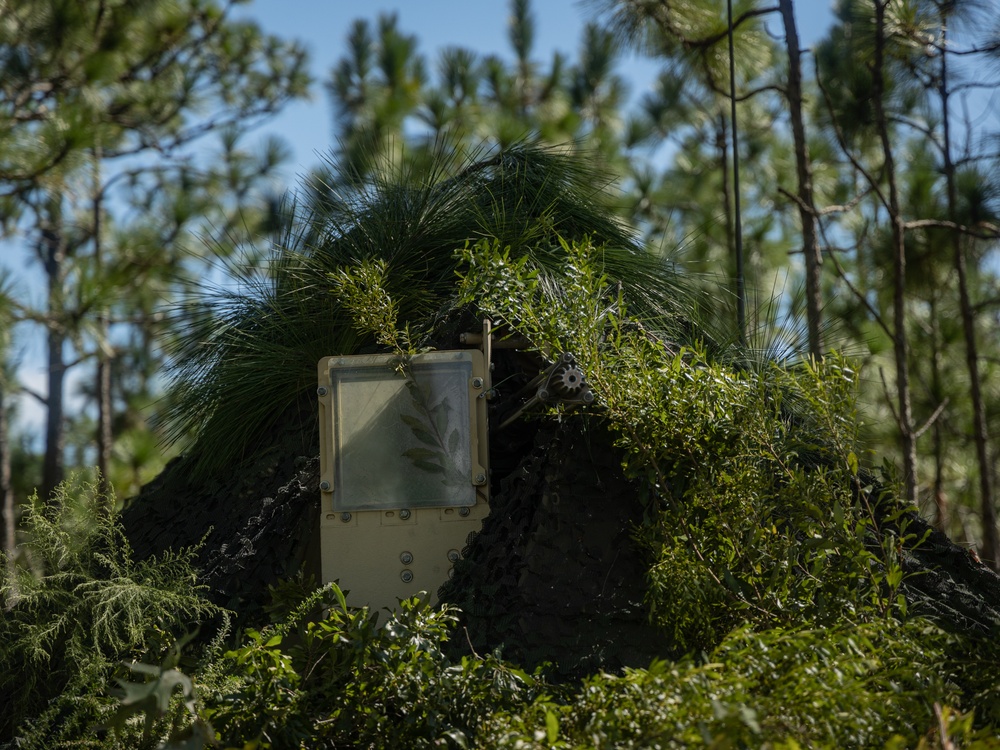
(386,533)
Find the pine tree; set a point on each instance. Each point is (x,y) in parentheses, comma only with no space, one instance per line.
(691,107)
(96,96)
(386,96)
(894,121)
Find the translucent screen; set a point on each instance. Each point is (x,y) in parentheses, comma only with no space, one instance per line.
(402,441)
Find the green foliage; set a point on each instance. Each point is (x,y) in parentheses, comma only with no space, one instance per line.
(392,110)
(341,680)
(77,605)
(338,680)
(362,290)
(154,698)
(326,675)
(107,183)
(130,76)
(756,508)
(864,686)
(249,350)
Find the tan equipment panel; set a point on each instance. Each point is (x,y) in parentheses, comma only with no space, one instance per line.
(403,470)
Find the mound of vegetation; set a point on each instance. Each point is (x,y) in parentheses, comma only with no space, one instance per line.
(734,576)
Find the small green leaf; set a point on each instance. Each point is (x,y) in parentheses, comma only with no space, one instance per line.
(341,599)
(418,454)
(425,437)
(412,422)
(440,413)
(894,577)
(428,466)
(551,727)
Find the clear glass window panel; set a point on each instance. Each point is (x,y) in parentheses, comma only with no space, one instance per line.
(402,441)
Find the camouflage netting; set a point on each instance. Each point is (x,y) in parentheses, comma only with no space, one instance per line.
(554,575)
(254,526)
(947,584)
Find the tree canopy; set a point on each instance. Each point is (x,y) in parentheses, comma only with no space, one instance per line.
(773,527)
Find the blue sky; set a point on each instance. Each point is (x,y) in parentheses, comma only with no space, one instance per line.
(480,25)
(322,26)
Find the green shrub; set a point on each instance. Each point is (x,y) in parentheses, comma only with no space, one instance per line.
(867,686)
(756,507)
(342,681)
(326,675)
(77,607)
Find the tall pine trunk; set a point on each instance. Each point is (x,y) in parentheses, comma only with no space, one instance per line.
(937,436)
(988,513)
(54,254)
(103,374)
(6,491)
(901,345)
(803,170)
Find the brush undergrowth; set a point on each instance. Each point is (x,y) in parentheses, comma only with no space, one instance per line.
(774,555)
(77,608)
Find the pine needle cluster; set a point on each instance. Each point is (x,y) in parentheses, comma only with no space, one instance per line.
(249,349)
(77,605)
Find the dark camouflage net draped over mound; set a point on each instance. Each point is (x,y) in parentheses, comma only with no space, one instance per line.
(554,574)
(948,585)
(255,526)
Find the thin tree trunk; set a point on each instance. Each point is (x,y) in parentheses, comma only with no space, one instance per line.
(7,493)
(900,343)
(988,513)
(803,169)
(937,390)
(54,251)
(722,146)
(741,289)
(104,435)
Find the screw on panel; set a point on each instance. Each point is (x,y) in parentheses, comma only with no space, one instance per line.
(324,485)
(321,391)
(406,558)
(477,382)
(479,479)
(345,517)
(404,514)
(406,576)
(453,555)
(463,512)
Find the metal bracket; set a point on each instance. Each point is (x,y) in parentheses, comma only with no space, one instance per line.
(562,382)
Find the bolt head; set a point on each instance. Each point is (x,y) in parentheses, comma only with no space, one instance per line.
(404,514)
(322,390)
(406,576)
(345,517)
(477,382)
(463,512)
(324,485)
